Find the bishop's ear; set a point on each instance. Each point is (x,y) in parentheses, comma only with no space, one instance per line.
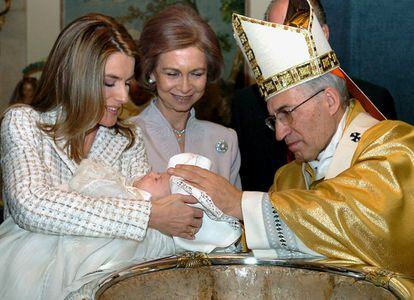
(333,100)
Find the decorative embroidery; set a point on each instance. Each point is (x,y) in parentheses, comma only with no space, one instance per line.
(281,238)
(355,137)
(212,211)
(279,229)
(314,67)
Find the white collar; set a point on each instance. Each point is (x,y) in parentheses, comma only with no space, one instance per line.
(324,159)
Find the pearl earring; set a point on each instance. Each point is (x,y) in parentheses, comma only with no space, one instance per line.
(151,81)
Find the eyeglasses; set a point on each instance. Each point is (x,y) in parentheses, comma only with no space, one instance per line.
(285,116)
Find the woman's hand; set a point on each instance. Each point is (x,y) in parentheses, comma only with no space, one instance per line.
(225,195)
(173,216)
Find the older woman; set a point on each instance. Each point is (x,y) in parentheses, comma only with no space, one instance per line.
(52,237)
(180,56)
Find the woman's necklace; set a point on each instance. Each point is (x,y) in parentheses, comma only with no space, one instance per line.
(179,134)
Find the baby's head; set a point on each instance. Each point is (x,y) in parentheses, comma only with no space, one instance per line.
(157,184)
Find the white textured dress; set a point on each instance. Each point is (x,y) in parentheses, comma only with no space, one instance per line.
(53,241)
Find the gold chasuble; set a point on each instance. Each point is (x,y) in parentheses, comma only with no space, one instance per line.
(366,213)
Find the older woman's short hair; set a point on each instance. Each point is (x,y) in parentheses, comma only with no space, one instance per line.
(176,27)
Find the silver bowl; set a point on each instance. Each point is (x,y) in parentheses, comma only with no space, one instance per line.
(241,276)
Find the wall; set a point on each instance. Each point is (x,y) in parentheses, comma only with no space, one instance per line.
(12,50)
(374,42)
(256,8)
(30,29)
(41,31)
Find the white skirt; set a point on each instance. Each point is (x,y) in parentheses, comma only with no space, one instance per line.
(41,266)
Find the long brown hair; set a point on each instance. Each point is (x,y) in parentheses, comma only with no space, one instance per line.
(73,77)
(176,27)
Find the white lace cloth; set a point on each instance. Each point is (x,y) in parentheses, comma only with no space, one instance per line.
(97,180)
(218,231)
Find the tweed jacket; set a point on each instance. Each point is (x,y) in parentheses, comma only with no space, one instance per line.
(201,137)
(36,171)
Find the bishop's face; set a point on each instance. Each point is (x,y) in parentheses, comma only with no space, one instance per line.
(309,127)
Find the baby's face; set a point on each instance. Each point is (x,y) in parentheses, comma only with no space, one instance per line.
(157,184)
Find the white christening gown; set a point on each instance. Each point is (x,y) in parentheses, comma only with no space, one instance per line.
(52,266)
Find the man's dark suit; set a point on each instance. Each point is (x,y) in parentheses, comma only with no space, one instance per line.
(261,154)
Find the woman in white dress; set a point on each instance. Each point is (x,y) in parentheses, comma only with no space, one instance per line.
(180,56)
(52,238)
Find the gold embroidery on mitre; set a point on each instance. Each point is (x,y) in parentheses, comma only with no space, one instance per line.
(315,66)
(248,51)
(298,74)
(311,42)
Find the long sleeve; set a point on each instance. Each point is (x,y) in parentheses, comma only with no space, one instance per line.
(365,214)
(235,164)
(33,175)
(266,234)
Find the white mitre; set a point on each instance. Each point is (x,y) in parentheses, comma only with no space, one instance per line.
(283,56)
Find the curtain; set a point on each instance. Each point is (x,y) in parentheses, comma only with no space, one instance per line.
(374,40)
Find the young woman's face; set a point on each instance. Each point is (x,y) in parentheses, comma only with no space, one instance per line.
(119,71)
(180,77)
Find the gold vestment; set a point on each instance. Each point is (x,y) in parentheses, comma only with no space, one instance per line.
(366,213)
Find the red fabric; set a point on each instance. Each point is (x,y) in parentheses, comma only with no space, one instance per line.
(338,72)
(358,94)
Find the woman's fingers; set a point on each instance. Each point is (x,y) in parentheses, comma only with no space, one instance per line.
(172,215)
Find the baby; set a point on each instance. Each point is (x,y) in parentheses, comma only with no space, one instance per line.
(97,180)
(218,232)
(157,185)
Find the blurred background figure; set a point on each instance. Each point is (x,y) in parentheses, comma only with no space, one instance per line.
(24,91)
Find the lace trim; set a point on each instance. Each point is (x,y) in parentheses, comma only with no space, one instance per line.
(281,238)
(207,204)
